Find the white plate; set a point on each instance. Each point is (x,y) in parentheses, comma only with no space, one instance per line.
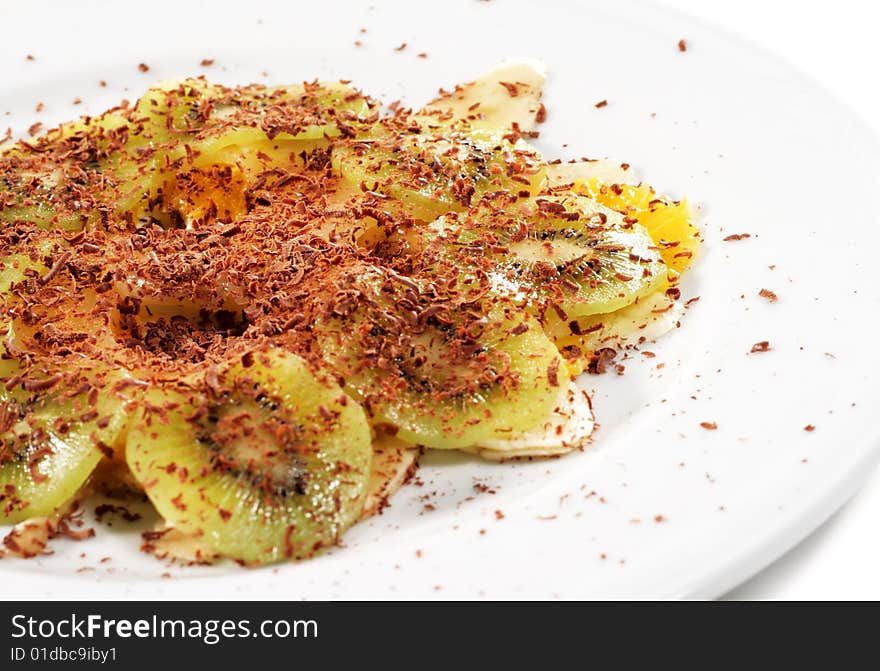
(764,150)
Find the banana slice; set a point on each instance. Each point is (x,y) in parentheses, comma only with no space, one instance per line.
(645,321)
(567,428)
(31,537)
(605,170)
(506,95)
(648,319)
(28,539)
(394,462)
(168,543)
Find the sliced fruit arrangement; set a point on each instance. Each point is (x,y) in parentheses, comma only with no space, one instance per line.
(263,461)
(258,305)
(186,149)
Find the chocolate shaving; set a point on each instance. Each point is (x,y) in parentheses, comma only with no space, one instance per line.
(512,89)
(763,346)
(600,360)
(56,268)
(553,373)
(541,115)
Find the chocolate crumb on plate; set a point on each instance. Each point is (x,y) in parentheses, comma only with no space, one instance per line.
(763,346)
(541,115)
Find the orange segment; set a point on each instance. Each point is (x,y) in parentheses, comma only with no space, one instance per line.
(669,223)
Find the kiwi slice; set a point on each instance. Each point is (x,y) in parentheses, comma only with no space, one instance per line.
(433,174)
(54,429)
(15,268)
(311,111)
(315,111)
(46,192)
(47,316)
(19,271)
(447,366)
(220,146)
(71,176)
(262,461)
(56,422)
(567,256)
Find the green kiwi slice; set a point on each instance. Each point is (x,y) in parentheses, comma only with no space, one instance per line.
(262,460)
(74,175)
(56,422)
(209,117)
(447,366)
(15,268)
(54,429)
(565,254)
(434,174)
(46,192)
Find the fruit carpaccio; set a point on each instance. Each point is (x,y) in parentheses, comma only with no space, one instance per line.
(258,305)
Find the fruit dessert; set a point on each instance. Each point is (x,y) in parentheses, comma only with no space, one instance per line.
(258,305)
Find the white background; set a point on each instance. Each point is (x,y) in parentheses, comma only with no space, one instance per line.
(836,43)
